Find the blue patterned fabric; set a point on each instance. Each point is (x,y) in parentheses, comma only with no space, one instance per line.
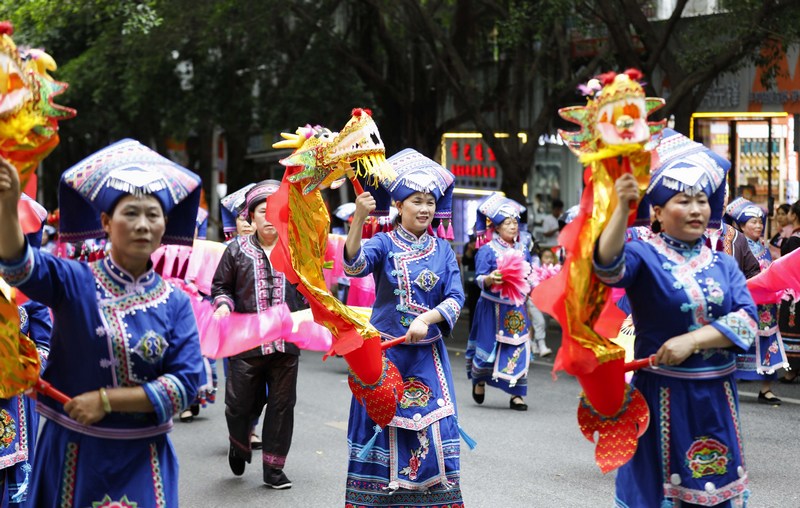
(767,354)
(98,182)
(415,460)
(111,331)
(498,350)
(692,449)
(19,421)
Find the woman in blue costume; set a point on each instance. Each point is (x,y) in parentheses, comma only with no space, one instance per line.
(19,422)
(766,355)
(124,344)
(414,461)
(498,350)
(691,308)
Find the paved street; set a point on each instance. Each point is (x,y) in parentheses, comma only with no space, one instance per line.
(533,459)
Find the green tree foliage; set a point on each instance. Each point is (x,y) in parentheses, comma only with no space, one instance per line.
(150,69)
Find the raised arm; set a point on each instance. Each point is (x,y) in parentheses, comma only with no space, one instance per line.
(612,239)
(12,241)
(365,204)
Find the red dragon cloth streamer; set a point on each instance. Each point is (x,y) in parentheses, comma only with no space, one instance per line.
(28,133)
(614,139)
(298,212)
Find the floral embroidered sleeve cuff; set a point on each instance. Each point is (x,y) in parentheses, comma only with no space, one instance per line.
(610,274)
(738,327)
(450,310)
(17,271)
(355,266)
(168,396)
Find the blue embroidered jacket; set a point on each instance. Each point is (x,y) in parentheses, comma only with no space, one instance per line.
(113,330)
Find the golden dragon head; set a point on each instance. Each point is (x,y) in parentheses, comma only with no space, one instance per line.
(328,157)
(28,116)
(615,114)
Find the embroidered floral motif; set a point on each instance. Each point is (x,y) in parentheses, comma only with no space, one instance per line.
(715,294)
(158,482)
(514,322)
(415,393)
(741,324)
(23,317)
(68,480)
(706,457)
(151,347)
(426,280)
(106,502)
(417,456)
(512,361)
(8,429)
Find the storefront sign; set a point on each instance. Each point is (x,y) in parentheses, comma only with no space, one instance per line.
(471,160)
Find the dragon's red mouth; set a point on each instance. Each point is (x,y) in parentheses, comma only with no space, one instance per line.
(15,90)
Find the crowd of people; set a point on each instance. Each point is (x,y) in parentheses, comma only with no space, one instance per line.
(123,343)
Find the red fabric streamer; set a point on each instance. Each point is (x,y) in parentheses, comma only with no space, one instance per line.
(783,274)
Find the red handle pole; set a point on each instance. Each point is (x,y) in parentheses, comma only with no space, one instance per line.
(356,185)
(641,363)
(390,343)
(49,390)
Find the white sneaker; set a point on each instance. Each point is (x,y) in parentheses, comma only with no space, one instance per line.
(534,348)
(543,349)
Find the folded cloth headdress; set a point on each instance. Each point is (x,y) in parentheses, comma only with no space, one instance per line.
(740,210)
(127,167)
(259,193)
(202,223)
(494,210)
(417,173)
(682,165)
(233,207)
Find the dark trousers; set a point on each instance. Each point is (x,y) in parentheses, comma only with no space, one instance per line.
(245,396)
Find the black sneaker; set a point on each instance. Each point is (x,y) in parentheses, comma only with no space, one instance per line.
(276,479)
(236,462)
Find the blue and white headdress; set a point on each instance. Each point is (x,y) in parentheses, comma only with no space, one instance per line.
(233,207)
(417,173)
(127,167)
(740,210)
(682,165)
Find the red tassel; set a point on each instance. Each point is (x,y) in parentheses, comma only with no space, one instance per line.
(450,234)
(6,28)
(607,77)
(440,231)
(634,74)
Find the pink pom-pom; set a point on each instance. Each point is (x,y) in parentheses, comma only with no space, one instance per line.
(515,271)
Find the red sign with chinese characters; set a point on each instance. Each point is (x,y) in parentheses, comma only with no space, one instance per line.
(472,162)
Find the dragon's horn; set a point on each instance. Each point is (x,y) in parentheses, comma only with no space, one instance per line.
(290,141)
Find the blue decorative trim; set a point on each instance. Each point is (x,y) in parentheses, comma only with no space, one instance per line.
(357,265)
(17,271)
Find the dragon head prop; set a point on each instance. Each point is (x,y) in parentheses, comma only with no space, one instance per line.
(28,116)
(615,114)
(328,157)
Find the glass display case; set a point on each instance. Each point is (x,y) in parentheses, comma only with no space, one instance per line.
(761,149)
